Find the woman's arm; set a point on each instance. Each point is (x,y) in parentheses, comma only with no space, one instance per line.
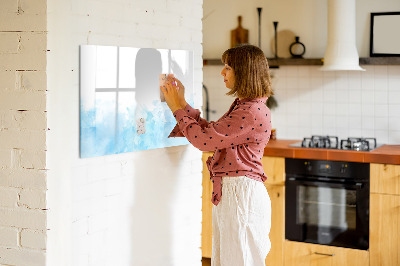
(237,128)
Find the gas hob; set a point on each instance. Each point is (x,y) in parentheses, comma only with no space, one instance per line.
(332,142)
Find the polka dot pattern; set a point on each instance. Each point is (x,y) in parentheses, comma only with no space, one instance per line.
(238,139)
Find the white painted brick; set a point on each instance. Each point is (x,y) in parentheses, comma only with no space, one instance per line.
(31,55)
(5,158)
(79,176)
(34,8)
(148,6)
(197,166)
(111,31)
(31,80)
(23,178)
(23,100)
(9,237)
(34,140)
(20,62)
(113,170)
(7,80)
(114,186)
(116,202)
(8,6)
(9,42)
(17,256)
(98,222)
(168,19)
(22,218)
(26,22)
(128,168)
(34,120)
(96,173)
(154,32)
(8,197)
(33,199)
(33,239)
(176,7)
(192,23)
(80,227)
(196,10)
(31,159)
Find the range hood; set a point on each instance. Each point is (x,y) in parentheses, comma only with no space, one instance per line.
(341,51)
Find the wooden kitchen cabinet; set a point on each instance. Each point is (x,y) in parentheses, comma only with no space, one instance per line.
(385,178)
(305,254)
(206,225)
(385,215)
(384,236)
(274,168)
(277,233)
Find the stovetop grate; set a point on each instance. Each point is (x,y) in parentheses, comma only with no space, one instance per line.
(332,142)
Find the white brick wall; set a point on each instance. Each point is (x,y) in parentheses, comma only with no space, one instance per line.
(141,208)
(23,132)
(100,208)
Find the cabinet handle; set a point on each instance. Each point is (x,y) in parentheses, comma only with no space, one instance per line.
(324,254)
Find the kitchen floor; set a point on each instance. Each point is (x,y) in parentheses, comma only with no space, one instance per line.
(206,261)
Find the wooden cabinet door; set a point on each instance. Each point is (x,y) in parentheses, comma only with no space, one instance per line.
(385,178)
(274,168)
(304,254)
(277,233)
(206,226)
(384,237)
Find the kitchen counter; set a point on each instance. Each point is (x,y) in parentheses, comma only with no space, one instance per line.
(389,154)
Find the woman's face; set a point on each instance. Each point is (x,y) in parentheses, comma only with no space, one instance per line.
(229,76)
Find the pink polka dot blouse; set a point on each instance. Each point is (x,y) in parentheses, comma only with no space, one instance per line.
(238,139)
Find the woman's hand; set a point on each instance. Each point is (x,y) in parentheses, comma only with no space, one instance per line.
(172,96)
(181,92)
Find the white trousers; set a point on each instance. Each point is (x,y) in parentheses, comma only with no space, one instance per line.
(241,223)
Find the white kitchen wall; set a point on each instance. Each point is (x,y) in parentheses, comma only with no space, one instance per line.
(306,19)
(311,102)
(343,104)
(140,208)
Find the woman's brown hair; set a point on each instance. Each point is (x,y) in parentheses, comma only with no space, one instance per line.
(250,66)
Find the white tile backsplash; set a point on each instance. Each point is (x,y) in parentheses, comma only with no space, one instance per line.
(394,97)
(381,96)
(381,83)
(343,103)
(394,110)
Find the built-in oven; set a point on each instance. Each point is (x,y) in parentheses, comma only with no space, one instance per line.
(327,202)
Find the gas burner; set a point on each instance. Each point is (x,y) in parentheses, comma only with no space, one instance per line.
(327,142)
(358,144)
(332,142)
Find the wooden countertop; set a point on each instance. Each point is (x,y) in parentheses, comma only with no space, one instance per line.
(389,154)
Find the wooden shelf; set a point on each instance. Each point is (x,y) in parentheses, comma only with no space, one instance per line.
(380,61)
(274,63)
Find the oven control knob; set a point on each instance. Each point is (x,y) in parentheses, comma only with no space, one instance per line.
(308,166)
(343,168)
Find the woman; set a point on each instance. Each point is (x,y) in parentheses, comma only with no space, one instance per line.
(242,208)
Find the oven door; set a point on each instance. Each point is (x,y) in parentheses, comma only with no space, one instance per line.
(327,213)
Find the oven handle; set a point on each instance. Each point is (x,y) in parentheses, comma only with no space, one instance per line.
(357,185)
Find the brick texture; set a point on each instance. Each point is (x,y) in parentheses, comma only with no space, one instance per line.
(23,126)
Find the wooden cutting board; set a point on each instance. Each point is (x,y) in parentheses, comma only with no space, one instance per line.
(239,35)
